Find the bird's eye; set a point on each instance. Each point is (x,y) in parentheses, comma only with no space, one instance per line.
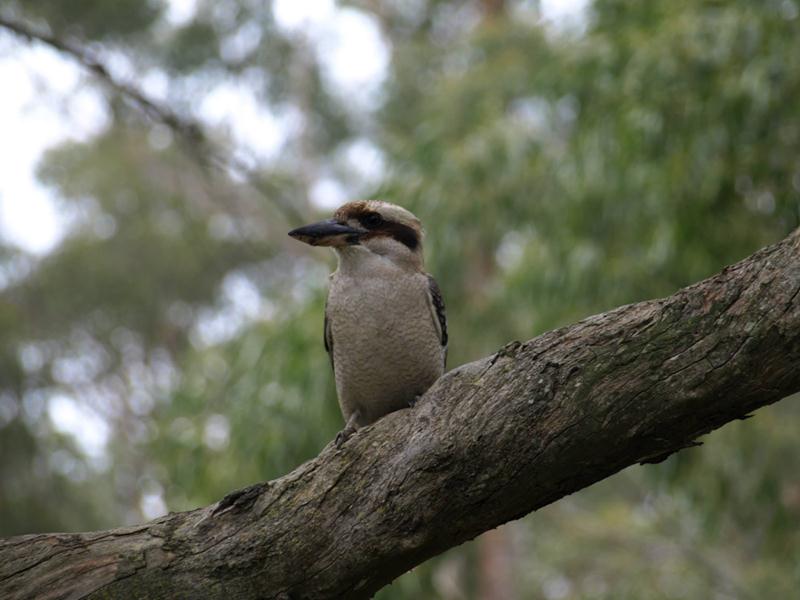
(372,220)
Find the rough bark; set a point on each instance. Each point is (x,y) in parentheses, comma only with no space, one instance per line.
(490,442)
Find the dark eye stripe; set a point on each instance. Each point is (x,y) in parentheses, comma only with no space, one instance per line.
(402,233)
(370,220)
(378,226)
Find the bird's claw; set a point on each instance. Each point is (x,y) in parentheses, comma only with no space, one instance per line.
(413,402)
(343,436)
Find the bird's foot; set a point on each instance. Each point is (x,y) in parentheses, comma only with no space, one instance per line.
(412,403)
(349,428)
(343,436)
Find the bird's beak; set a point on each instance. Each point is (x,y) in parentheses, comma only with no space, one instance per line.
(327,233)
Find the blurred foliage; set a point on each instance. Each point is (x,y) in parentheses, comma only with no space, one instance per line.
(95,19)
(559,172)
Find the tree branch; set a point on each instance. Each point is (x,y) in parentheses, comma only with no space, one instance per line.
(188,131)
(490,442)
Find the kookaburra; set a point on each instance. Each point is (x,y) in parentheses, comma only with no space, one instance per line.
(385,326)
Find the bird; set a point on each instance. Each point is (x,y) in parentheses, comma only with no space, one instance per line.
(385,325)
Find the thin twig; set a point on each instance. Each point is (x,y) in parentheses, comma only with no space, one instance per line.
(189,131)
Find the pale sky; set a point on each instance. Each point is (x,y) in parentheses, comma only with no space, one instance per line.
(30,123)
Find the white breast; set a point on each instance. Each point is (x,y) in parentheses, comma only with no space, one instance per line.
(386,345)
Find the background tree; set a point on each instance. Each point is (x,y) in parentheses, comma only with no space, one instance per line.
(570,171)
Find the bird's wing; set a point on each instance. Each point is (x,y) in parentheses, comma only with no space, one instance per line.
(327,337)
(437,302)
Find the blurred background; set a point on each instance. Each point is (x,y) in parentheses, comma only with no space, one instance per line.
(161,336)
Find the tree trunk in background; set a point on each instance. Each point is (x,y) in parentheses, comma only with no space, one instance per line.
(493,8)
(490,442)
(495,554)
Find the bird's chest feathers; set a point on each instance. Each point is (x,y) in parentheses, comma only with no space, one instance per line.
(386,348)
(375,297)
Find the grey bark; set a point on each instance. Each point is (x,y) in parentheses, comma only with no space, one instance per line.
(490,442)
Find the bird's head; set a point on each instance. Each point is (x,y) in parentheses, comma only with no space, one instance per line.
(378,227)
